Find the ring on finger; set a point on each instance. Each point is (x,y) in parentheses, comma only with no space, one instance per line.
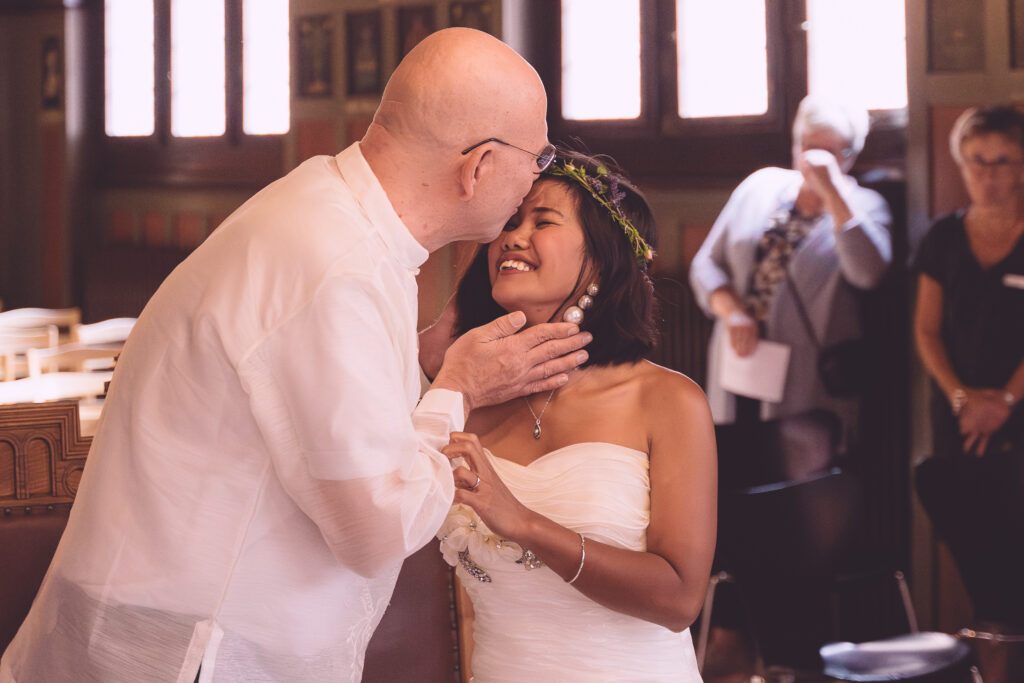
(475,484)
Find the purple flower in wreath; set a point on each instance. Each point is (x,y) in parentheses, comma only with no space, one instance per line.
(597,185)
(615,192)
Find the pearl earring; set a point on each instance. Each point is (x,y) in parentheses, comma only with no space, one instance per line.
(574,314)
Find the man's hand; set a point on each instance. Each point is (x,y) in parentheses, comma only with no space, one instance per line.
(492,364)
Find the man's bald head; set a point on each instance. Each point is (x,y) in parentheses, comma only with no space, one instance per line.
(459,88)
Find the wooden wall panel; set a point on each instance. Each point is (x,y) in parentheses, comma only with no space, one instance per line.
(947,189)
(54,215)
(48,454)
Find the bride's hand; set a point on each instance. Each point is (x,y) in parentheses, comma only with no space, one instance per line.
(479,487)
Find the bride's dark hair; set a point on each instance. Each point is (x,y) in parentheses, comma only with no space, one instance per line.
(622,318)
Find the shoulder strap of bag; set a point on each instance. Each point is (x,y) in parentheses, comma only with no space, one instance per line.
(804,318)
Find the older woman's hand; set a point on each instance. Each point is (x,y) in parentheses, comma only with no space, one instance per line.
(479,487)
(743,335)
(821,172)
(982,416)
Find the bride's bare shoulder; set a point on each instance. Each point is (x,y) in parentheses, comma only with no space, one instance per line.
(657,377)
(666,392)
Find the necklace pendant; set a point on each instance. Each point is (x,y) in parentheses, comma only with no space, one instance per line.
(536,430)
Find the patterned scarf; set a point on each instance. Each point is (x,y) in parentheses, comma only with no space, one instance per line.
(786,230)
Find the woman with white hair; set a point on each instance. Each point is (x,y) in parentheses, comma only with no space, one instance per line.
(783,263)
(791,239)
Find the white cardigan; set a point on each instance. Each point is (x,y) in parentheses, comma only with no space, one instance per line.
(825,268)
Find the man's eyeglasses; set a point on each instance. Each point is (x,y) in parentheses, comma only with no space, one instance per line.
(544,159)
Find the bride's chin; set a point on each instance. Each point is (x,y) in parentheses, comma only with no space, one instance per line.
(535,314)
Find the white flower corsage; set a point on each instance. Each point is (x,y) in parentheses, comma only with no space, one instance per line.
(465,540)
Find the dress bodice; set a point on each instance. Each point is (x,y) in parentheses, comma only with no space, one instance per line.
(532,625)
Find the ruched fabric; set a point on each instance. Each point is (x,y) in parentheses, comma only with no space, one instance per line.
(531,625)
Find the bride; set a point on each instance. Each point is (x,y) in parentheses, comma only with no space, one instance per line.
(584,520)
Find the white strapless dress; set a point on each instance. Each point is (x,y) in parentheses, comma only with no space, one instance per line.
(531,625)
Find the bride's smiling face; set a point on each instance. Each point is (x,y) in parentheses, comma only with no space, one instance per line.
(535,262)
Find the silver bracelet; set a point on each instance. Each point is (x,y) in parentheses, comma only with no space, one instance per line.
(958,399)
(583,557)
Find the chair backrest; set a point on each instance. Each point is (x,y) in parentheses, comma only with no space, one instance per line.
(71,357)
(39,317)
(20,340)
(792,448)
(808,529)
(103,332)
(15,342)
(54,386)
(417,638)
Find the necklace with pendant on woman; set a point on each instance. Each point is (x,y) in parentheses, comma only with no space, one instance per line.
(537,431)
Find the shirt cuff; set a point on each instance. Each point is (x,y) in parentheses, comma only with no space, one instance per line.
(445,404)
(853,222)
(708,280)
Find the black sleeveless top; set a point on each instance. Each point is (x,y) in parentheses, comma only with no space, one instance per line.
(982,313)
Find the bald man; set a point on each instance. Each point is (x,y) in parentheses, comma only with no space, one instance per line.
(264,465)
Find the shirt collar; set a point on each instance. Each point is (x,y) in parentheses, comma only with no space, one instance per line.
(370,195)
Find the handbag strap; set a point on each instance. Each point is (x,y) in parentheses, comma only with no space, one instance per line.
(801,309)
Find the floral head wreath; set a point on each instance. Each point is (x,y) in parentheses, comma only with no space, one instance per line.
(604,187)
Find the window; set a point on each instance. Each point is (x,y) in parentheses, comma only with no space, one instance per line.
(217,116)
(699,88)
(875,78)
(197,68)
(129,67)
(721,58)
(590,73)
(265,67)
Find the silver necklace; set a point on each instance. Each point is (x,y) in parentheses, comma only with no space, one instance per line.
(536,417)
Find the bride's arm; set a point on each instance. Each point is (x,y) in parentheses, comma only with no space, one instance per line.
(665,585)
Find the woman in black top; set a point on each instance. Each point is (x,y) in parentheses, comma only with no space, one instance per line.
(969,328)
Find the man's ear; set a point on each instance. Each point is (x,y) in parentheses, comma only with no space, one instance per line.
(474,166)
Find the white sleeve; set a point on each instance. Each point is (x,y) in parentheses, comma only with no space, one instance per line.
(864,244)
(327,391)
(709,269)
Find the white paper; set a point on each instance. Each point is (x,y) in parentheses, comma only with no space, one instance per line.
(761,375)
(1014,280)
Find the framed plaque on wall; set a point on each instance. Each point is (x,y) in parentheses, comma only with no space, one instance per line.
(1017,34)
(364,54)
(414,24)
(956,35)
(315,38)
(471,15)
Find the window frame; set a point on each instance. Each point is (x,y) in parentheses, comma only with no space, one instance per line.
(663,147)
(234,159)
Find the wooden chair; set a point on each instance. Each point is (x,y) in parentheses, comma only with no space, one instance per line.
(15,343)
(40,317)
(72,357)
(103,332)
